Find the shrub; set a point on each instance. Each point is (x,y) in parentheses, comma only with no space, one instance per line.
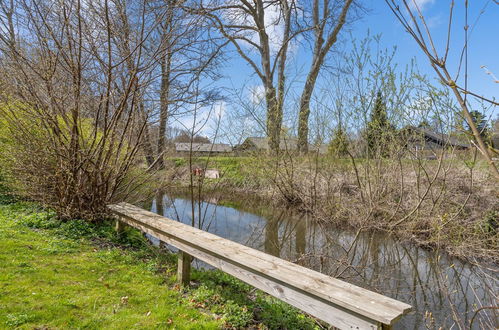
(75,168)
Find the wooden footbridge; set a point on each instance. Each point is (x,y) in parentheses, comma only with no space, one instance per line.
(336,302)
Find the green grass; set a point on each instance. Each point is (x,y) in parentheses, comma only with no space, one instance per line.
(50,279)
(76,274)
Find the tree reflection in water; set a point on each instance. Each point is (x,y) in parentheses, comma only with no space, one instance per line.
(445,292)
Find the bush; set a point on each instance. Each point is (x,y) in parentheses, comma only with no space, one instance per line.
(74,168)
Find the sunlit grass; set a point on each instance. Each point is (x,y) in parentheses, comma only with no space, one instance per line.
(56,282)
(76,274)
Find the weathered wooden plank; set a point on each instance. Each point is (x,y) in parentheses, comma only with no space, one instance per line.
(310,281)
(299,286)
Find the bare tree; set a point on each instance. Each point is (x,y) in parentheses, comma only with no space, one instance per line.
(246,26)
(412,19)
(187,52)
(328,18)
(71,100)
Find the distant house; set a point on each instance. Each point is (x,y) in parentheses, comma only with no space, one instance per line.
(262,144)
(494,138)
(422,139)
(202,148)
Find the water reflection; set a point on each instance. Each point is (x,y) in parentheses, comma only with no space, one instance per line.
(452,290)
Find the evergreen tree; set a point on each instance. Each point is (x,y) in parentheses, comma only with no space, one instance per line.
(481,125)
(338,146)
(379,130)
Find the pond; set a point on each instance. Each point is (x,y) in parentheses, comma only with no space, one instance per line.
(443,291)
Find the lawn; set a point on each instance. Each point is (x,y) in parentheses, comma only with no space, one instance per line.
(76,274)
(51,281)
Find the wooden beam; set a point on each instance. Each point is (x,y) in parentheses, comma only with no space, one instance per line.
(339,303)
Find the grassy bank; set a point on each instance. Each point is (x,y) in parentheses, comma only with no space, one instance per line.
(79,275)
(450,205)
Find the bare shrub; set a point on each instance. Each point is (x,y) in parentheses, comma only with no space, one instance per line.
(72,78)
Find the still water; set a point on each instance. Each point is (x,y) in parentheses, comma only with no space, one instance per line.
(444,292)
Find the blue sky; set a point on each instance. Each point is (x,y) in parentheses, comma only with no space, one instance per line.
(483,43)
(483,18)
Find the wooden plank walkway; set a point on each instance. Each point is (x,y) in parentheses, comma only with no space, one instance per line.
(336,302)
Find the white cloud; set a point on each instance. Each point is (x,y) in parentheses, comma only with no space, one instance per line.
(219,109)
(434,21)
(421,4)
(202,120)
(274,26)
(257,94)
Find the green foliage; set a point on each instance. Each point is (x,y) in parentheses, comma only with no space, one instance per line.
(178,162)
(6,195)
(479,121)
(379,132)
(39,220)
(69,165)
(275,314)
(490,222)
(234,171)
(239,305)
(481,124)
(16,320)
(338,146)
(233,315)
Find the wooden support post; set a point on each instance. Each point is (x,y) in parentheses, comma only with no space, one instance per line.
(119,226)
(184,268)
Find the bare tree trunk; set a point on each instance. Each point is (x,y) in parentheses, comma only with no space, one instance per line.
(270,61)
(320,51)
(476,133)
(274,110)
(147,141)
(163,107)
(273,124)
(304,113)
(281,77)
(166,63)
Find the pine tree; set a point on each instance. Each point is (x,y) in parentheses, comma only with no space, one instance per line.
(379,130)
(481,124)
(338,146)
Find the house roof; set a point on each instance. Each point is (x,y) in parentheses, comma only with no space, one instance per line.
(202,147)
(439,138)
